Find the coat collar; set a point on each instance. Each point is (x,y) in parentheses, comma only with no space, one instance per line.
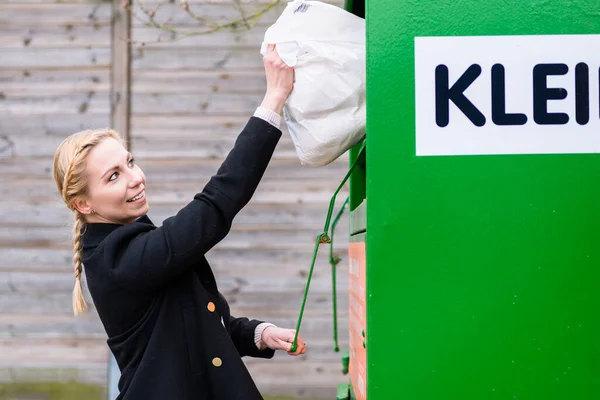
(95,232)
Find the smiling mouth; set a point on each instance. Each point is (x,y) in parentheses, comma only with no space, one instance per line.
(138,197)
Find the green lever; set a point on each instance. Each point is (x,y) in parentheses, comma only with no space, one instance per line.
(345,362)
(323,238)
(343,392)
(334,261)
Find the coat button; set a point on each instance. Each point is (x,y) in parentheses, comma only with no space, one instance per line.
(211,306)
(217,362)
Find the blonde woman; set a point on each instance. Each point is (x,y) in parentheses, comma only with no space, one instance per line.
(167,324)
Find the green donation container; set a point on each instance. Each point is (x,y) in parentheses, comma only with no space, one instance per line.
(475,215)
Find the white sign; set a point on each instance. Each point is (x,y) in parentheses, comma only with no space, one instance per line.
(507,95)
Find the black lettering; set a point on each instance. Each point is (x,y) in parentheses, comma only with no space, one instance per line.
(499,115)
(582,94)
(541,94)
(444,94)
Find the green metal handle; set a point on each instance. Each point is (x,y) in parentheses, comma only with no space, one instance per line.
(323,237)
(343,392)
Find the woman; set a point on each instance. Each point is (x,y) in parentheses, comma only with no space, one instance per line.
(168,326)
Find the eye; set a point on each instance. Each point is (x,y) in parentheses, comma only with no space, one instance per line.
(113,176)
(131,162)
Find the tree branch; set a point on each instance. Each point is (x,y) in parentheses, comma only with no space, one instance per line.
(148,18)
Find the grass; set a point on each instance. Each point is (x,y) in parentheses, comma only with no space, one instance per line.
(65,391)
(51,391)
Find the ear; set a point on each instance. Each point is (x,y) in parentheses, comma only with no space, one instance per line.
(83,206)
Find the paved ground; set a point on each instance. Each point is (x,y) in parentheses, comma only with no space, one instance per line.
(48,391)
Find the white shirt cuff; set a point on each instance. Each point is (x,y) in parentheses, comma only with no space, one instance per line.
(268,115)
(258,335)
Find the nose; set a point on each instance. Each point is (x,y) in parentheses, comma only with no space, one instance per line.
(137,178)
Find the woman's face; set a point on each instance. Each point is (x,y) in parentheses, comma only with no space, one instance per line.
(115,185)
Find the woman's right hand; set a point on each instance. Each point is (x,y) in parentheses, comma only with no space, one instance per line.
(276,338)
(280,80)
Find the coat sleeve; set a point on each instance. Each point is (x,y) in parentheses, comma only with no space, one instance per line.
(241,331)
(142,257)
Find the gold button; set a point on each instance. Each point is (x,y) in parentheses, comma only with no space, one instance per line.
(217,362)
(211,306)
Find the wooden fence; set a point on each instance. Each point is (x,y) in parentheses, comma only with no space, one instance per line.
(65,66)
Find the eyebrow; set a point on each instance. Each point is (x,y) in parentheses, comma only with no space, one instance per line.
(114,167)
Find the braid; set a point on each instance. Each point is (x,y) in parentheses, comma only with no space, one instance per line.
(69,167)
(79,304)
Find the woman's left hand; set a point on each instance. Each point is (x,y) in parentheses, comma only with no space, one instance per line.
(277,338)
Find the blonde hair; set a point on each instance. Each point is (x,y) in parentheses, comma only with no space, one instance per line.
(69,175)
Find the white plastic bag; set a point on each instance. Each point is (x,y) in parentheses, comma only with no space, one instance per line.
(326,112)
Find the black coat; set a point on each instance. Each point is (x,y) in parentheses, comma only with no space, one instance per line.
(169,328)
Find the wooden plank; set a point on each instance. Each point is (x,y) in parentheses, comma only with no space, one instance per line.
(182,27)
(32,192)
(60,352)
(65,15)
(221,259)
(255,279)
(191,171)
(196,106)
(199,81)
(295,263)
(258,305)
(22,352)
(51,326)
(198,147)
(43,259)
(31,58)
(185,171)
(145,2)
(151,126)
(40,83)
(15,169)
(121,71)
(34,237)
(294,194)
(207,12)
(198,103)
(51,303)
(225,38)
(192,58)
(60,125)
(296,372)
(211,128)
(76,103)
(88,325)
(247,237)
(35,282)
(209,15)
(151,3)
(213,11)
(269,215)
(29,145)
(46,1)
(240,288)
(53,37)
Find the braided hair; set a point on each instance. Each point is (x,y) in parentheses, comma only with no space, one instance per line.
(69,176)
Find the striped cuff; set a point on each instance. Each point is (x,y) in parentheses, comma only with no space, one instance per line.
(268,115)
(258,335)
